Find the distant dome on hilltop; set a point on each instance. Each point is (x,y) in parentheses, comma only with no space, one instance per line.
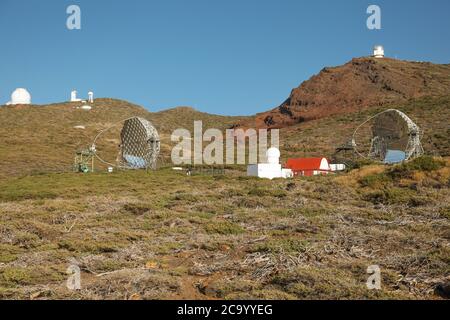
(20,96)
(378,51)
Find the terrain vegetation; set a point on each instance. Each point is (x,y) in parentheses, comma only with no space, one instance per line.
(162,234)
(44,138)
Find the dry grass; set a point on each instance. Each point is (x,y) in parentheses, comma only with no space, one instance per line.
(162,235)
(42,139)
(165,235)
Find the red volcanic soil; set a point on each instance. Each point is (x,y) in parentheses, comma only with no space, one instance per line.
(360,83)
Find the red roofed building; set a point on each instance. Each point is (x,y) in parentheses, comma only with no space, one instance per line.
(308,166)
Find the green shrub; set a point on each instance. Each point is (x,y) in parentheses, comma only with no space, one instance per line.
(136,208)
(390,196)
(21,276)
(425,164)
(445,212)
(375,180)
(16,276)
(224,228)
(404,170)
(282,245)
(8,253)
(418,201)
(360,164)
(259,192)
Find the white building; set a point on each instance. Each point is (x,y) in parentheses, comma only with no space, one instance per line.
(90,97)
(20,96)
(270,170)
(378,52)
(337,167)
(73,96)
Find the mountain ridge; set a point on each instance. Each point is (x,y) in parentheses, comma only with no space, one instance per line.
(358,84)
(44,138)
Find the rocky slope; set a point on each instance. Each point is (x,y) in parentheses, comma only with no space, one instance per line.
(361,83)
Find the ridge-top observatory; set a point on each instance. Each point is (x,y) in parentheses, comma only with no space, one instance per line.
(378,52)
(20,96)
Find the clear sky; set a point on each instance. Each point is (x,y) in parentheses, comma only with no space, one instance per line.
(227,57)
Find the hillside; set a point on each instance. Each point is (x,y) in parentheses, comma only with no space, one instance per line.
(165,235)
(43,138)
(162,234)
(36,139)
(355,86)
(321,137)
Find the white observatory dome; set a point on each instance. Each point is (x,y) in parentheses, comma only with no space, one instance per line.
(378,51)
(273,156)
(20,96)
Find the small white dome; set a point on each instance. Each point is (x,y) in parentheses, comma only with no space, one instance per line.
(20,96)
(273,152)
(378,51)
(86,107)
(273,156)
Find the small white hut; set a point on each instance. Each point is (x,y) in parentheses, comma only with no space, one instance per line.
(378,52)
(73,96)
(270,170)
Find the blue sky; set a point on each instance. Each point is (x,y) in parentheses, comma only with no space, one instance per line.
(227,57)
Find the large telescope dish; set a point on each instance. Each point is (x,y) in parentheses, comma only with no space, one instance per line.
(389,136)
(134,141)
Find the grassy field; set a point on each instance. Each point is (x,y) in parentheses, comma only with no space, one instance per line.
(162,234)
(44,138)
(159,235)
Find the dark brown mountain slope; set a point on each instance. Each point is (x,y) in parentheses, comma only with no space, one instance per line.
(361,83)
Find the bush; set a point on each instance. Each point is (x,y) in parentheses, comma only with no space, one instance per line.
(425,164)
(224,228)
(390,196)
(289,245)
(360,164)
(259,192)
(136,209)
(15,276)
(445,212)
(404,170)
(375,180)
